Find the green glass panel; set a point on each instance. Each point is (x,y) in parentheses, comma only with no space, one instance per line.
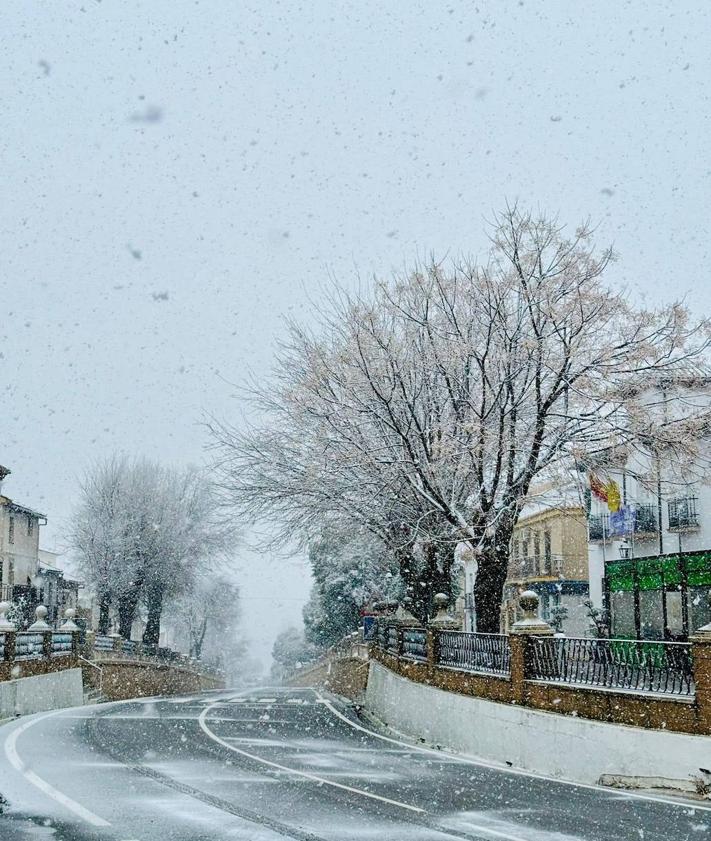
(651,582)
(699,569)
(671,571)
(621,583)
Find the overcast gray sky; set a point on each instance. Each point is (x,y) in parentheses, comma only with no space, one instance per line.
(179,175)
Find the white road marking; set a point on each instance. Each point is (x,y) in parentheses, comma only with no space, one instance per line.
(305,774)
(37,781)
(681,804)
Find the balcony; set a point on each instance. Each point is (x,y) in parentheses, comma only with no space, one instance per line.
(599,526)
(536,566)
(682,513)
(646,519)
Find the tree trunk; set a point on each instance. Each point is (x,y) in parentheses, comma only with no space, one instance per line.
(151,636)
(489,584)
(437,575)
(198,640)
(424,581)
(127,604)
(104,606)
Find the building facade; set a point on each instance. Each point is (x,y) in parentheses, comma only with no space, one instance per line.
(650,543)
(549,556)
(30,576)
(19,543)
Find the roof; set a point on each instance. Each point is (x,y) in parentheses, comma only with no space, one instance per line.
(21,509)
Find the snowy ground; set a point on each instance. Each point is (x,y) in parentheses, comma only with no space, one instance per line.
(280,764)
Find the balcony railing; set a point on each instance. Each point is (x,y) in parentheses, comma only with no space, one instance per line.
(646,519)
(599,526)
(682,513)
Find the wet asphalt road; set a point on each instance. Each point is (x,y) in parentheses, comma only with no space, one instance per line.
(285,763)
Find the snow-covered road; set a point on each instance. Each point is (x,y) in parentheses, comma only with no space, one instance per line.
(287,763)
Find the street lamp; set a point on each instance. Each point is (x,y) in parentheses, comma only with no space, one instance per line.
(625,550)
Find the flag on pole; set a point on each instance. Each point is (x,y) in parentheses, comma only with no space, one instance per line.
(598,487)
(607,491)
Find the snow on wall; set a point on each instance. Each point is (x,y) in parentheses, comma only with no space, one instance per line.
(571,748)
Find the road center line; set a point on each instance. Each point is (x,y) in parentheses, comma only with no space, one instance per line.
(202,721)
(37,781)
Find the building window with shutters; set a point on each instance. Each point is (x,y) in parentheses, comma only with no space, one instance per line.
(547,553)
(11,530)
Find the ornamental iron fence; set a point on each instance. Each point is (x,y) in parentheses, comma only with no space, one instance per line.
(414,644)
(61,643)
(621,664)
(28,644)
(660,667)
(488,653)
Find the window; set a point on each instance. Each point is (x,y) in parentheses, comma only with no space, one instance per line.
(30,525)
(645,519)
(11,531)
(547,552)
(517,554)
(682,513)
(599,525)
(537,550)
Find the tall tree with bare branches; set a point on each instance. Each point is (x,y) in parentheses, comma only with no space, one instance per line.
(427,409)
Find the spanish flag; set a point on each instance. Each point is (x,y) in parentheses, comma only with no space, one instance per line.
(607,491)
(613,496)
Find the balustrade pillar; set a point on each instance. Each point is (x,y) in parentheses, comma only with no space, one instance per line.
(520,643)
(701,663)
(442,621)
(40,626)
(70,627)
(7,629)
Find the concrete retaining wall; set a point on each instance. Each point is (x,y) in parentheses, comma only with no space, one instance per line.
(42,692)
(562,746)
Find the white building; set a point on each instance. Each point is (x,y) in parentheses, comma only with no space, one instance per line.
(30,575)
(650,562)
(19,543)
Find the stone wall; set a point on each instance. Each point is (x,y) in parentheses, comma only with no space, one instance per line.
(345,676)
(120,680)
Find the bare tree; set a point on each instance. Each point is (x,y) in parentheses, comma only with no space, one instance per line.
(145,532)
(427,410)
(208,615)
